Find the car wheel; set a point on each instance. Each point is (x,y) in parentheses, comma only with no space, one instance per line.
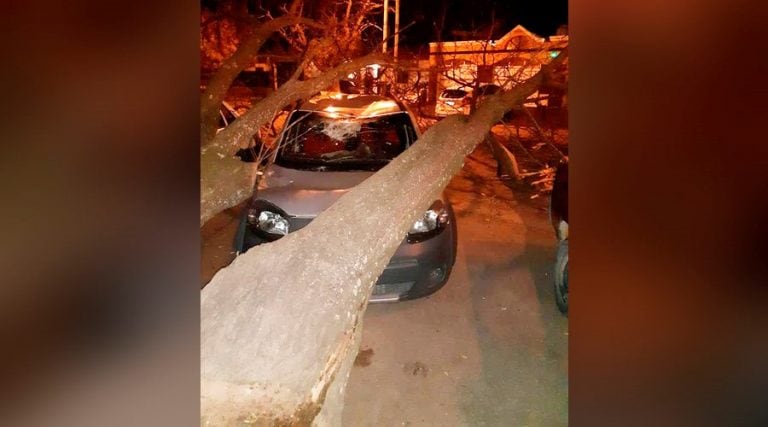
(561,277)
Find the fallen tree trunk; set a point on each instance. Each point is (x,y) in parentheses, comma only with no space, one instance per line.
(281,325)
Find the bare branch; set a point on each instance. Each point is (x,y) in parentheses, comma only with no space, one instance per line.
(221,81)
(295,7)
(241,130)
(541,133)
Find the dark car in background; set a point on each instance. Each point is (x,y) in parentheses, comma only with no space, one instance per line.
(453,101)
(484,92)
(329,145)
(559,218)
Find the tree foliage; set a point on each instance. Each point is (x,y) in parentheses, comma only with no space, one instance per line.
(347,32)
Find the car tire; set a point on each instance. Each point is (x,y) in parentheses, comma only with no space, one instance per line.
(561,277)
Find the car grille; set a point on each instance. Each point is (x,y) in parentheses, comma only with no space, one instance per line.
(392,288)
(395,269)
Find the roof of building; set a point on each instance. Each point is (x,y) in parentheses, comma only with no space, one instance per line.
(519,30)
(506,39)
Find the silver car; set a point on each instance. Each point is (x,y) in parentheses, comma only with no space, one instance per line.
(452,101)
(329,145)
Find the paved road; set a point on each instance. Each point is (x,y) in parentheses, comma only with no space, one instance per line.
(489,349)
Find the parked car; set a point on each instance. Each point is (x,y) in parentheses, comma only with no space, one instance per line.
(559,218)
(227,115)
(328,146)
(484,91)
(452,101)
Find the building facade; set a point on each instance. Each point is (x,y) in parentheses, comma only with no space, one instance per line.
(504,62)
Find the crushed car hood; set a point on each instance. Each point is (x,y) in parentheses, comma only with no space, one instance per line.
(306,193)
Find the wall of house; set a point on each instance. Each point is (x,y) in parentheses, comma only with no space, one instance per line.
(505,62)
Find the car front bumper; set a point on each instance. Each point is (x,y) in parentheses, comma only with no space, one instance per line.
(416,270)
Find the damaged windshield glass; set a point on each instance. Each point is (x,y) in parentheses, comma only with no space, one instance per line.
(318,141)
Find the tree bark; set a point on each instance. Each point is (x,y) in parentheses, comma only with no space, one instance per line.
(280,326)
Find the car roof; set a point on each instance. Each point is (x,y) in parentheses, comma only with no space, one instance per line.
(353,105)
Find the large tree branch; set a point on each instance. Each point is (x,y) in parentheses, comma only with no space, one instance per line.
(280,326)
(224,181)
(217,87)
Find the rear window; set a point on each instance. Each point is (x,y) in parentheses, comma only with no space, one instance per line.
(454,93)
(317,141)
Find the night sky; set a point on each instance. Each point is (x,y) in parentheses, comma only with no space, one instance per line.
(542,17)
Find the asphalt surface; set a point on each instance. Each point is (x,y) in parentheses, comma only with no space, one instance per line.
(488,349)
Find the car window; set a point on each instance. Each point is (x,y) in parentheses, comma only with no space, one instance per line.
(454,93)
(317,141)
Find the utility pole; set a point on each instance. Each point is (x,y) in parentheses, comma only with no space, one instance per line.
(386,27)
(397,26)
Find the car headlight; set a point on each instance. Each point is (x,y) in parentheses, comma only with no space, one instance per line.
(431,224)
(267,220)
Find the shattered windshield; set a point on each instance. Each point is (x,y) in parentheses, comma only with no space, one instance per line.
(318,141)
